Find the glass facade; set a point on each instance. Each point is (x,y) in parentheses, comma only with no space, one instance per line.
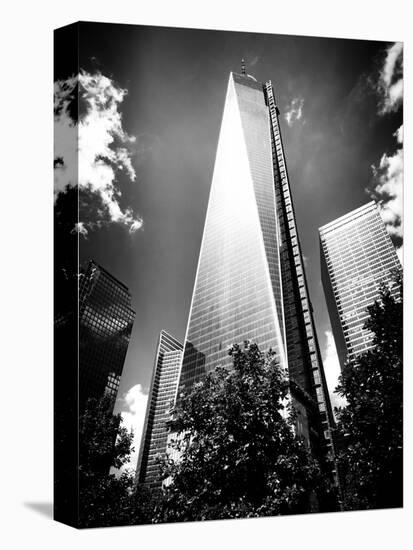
(161,397)
(105,324)
(307,378)
(250,282)
(237,294)
(357,255)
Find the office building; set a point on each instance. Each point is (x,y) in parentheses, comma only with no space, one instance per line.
(105,320)
(357,255)
(250,282)
(160,401)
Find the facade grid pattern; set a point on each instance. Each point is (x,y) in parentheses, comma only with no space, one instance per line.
(357,257)
(160,401)
(105,325)
(250,282)
(304,357)
(238,290)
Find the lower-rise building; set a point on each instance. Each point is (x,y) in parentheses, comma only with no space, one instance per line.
(357,256)
(160,401)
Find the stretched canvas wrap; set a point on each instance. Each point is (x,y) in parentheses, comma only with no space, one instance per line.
(228,274)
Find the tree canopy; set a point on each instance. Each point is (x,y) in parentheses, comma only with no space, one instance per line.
(234,451)
(106,499)
(370,427)
(238,455)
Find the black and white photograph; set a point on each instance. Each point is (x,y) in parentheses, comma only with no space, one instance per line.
(205,295)
(228,275)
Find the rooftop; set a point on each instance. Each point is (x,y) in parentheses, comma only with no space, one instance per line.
(349,217)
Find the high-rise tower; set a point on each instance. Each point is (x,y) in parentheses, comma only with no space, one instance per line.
(161,397)
(250,282)
(105,325)
(104,319)
(92,329)
(357,255)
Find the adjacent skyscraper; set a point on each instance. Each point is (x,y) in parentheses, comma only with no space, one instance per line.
(161,398)
(104,319)
(250,282)
(93,324)
(357,255)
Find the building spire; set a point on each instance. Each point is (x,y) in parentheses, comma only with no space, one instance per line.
(243,66)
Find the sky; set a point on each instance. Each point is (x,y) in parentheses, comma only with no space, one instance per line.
(150,107)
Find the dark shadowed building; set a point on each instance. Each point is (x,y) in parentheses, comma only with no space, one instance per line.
(104,320)
(105,325)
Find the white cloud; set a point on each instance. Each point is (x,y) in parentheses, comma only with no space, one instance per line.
(133,417)
(400,253)
(390,84)
(388,174)
(399,134)
(65,135)
(294,111)
(92,151)
(332,370)
(81,229)
(388,187)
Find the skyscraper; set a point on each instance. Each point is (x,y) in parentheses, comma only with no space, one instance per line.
(105,325)
(161,397)
(105,319)
(92,328)
(357,255)
(250,282)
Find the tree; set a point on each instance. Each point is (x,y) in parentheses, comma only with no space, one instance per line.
(371,425)
(106,499)
(238,453)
